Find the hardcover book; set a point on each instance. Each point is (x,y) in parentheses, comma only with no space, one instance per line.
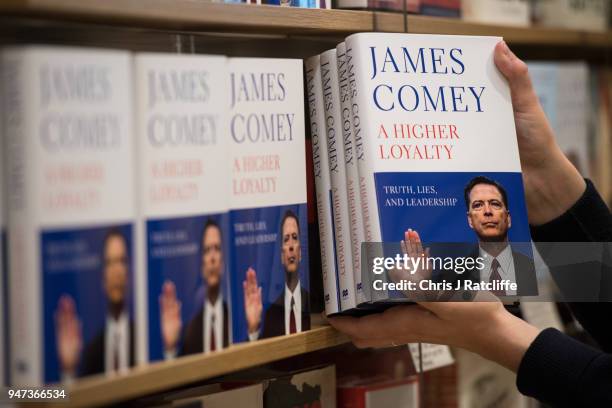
(441,8)
(183,221)
(439,151)
(507,12)
(71,208)
(314,95)
(268,220)
(348,115)
(379,392)
(336,140)
(412,6)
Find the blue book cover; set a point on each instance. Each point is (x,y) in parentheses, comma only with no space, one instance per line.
(268,217)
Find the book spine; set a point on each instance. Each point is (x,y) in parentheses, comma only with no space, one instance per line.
(366,220)
(337,169)
(352,173)
(322,184)
(25,335)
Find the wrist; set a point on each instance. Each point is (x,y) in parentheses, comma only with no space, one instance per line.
(505,340)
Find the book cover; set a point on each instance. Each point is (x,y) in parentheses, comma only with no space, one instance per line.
(314,95)
(336,140)
(376,392)
(348,115)
(438,139)
(250,396)
(293,3)
(507,12)
(183,220)
(441,8)
(268,218)
(590,15)
(71,207)
(563,92)
(412,6)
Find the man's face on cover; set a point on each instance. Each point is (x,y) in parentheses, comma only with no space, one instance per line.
(291,254)
(115,269)
(487,214)
(212,257)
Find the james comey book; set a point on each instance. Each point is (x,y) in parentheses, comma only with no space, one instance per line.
(183,219)
(71,206)
(437,149)
(268,218)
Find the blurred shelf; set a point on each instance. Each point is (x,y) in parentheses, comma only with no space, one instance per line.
(204,16)
(147,380)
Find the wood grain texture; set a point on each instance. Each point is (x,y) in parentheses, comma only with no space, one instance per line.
(141,381)
(201,16)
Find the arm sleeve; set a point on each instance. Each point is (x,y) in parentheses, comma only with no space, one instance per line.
(561,371)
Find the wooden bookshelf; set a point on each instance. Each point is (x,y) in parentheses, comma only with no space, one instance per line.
(147,380)
(203,16)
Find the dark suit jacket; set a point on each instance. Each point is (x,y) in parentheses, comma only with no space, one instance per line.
(94,355)
(274,319)
(193,336)
(524,270)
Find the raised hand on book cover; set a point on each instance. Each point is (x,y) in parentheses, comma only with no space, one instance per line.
(69,339)
(253,306)
(170,311)
(412,246)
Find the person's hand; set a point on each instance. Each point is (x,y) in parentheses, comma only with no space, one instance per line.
(69,339)
(552,183)
(170,311)
(483,327)
(252,301)
(412,246)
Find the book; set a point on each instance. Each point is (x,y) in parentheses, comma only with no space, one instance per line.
(71,209)
(379,392)
(314,95)
(268,218)
(336,140)
(506,12)
(348,114)
(590,15)
(183,221)
(293,3)
(430,109)
(250,396)
(441,8)
(563,92)
(412,6)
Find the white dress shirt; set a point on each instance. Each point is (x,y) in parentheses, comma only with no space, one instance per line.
(117,340)
(506,267)
(215,309)
(297,307)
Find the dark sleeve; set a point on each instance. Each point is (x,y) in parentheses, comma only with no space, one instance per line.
(587,221)
(563,372)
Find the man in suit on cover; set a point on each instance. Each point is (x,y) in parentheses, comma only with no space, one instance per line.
(289,313)
(112,349)
(208,330)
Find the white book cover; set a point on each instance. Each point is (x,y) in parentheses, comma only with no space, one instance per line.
(438,138)
(250,396)
(508,12)
(348,111)
(183,221)
(563,92)
(71,207)
(590,15)
(314,95)
(336,140)
(268,219)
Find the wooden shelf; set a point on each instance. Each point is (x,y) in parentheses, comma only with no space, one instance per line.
(200,16)
(147,380)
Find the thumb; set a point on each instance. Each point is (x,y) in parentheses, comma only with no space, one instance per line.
(517,74)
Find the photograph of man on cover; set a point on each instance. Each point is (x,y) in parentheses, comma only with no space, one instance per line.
(208,330)
(112,348)
(289,313)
